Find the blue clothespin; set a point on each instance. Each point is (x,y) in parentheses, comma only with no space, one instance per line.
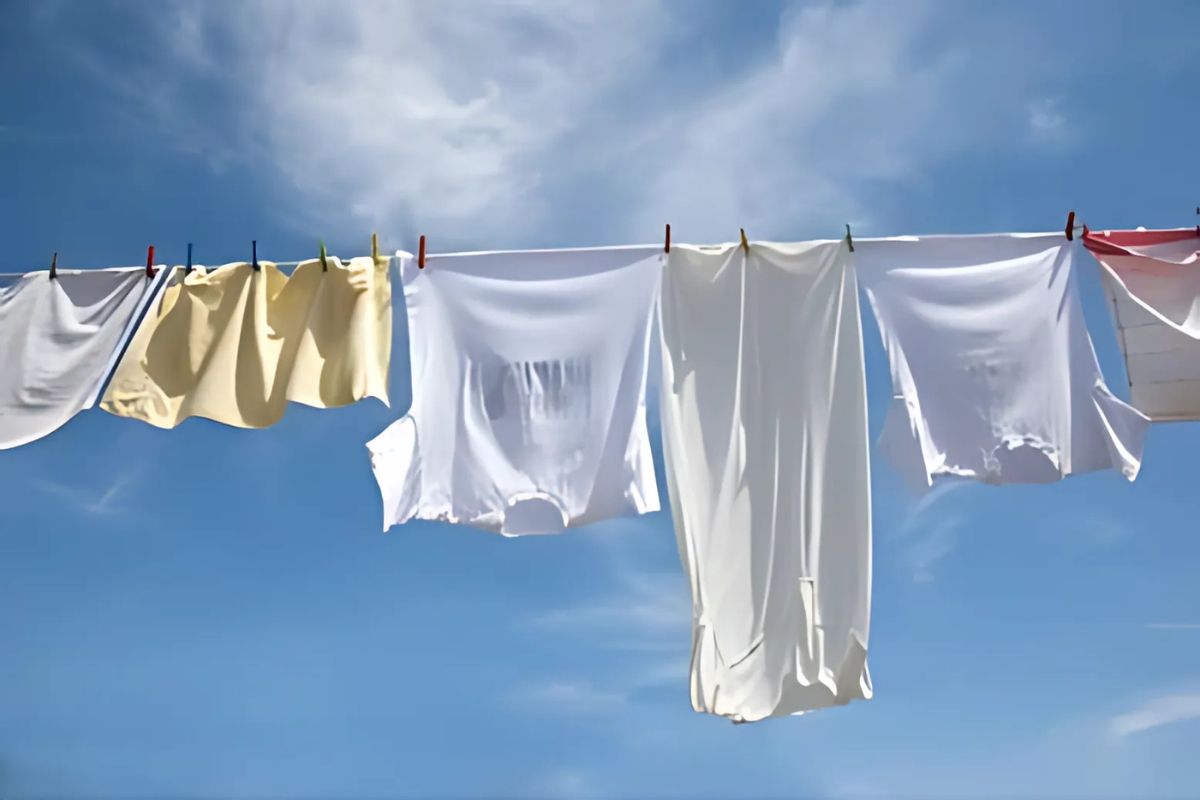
(188,268)
(254,253)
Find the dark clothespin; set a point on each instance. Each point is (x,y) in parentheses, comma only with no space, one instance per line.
(150,261)
(1070,229)
(745,241)
(849,238)
(667,245)
(188,268)
(54,266)
(374,249)
(254,254)
(324,262)
(421,252)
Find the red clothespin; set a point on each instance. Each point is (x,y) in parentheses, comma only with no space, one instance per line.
(1070,229)
(667,246)
(150,261)
(421,252)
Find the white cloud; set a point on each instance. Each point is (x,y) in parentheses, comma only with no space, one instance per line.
(1156,713)
(500,122)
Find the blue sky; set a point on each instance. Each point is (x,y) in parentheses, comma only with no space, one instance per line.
(208,612)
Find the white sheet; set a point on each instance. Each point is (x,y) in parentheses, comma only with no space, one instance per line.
(993,372)
(58,341)
(1152,279)
(528,375)
(765,434)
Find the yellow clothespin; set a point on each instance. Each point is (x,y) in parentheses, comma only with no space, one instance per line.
(745,241)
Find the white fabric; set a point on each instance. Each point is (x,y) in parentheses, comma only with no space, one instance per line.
(993,372)
(58,341)
(1155,297)
(765,435)
(528,376)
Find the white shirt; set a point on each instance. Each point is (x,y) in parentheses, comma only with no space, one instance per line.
(528,376)
(765,437)
(58,341)
(993,373)
(1152,279)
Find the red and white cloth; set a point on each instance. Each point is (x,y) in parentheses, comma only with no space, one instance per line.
(1152,279)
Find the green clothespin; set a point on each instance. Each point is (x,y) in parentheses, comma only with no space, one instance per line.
(849,238)
(324,262)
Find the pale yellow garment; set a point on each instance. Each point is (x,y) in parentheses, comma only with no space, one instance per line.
(235,345)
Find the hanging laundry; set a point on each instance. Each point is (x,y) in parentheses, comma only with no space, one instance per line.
(235,344)
(993,373)
(765,436)
(528,376)
(1152,279)
(58,340)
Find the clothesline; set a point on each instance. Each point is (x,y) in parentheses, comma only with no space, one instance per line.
(529,374)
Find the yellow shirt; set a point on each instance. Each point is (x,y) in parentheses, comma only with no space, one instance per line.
(235,345)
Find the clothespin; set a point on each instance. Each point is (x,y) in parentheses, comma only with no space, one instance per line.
(1070,230)
(188,268)
(667,246)
(745,241)
(374,249)
(421,252)
(254,254)
(150,261)
(54,266)
(324,262)
(849,238)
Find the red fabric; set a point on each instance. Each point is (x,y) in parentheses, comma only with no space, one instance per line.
(1115,242)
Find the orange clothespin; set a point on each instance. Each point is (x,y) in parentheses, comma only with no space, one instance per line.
(745,241)
(667,246)
(421,252)
(54,266)
(150,261)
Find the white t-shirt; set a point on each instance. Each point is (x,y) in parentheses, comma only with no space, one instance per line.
(765,436)
(993,372)
(528,376)
(58,341)
(1152,279)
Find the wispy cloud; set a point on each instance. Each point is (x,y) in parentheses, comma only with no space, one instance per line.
(566,697)
(1155,713)
(930,529)
(85,500)
(486,124)
(1048,123)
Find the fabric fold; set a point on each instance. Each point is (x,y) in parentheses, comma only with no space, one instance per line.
(1152,279)
(765,439)
(989,350)
(58,341)
(235,345)
(529,378)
